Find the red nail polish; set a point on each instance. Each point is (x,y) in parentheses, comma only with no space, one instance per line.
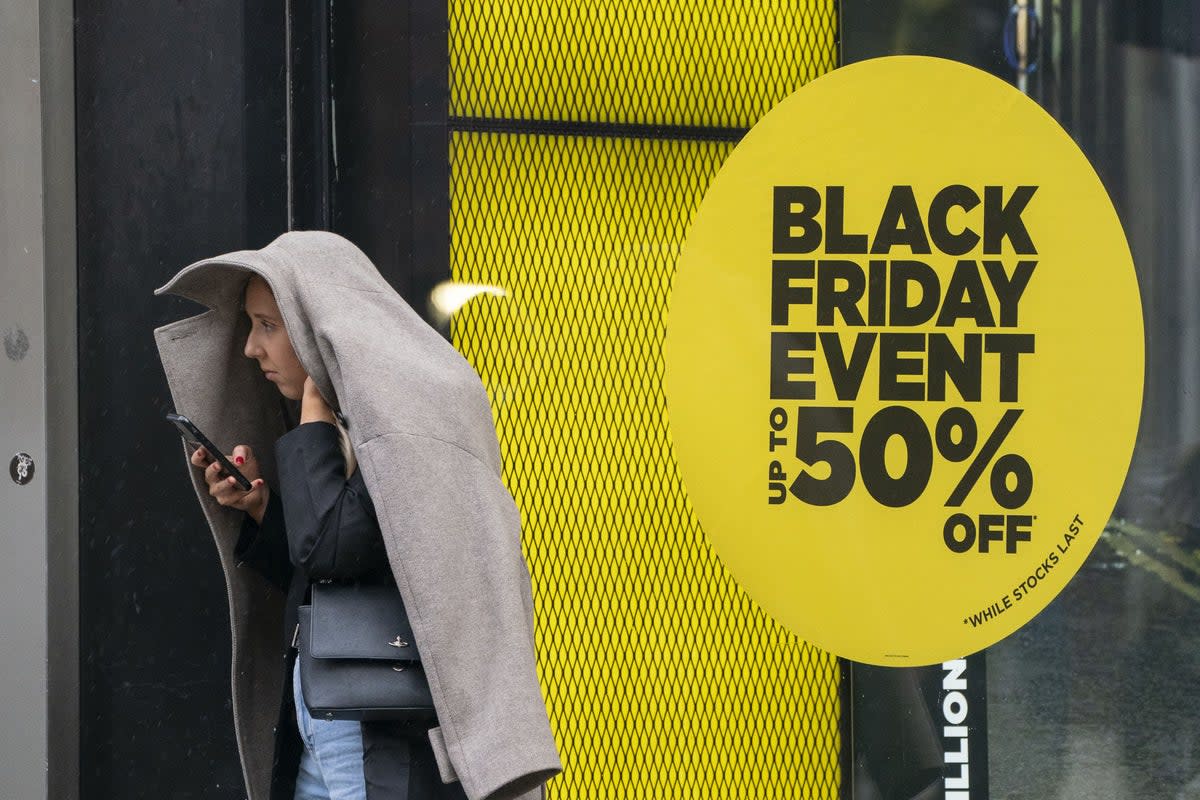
(239,461)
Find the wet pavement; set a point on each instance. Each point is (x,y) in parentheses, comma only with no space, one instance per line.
(1098,698)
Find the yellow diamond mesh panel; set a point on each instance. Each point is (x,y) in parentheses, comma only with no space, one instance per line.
(663,679)
(671,62)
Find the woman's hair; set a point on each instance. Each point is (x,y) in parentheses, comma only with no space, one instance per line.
(347,448)
(241,295)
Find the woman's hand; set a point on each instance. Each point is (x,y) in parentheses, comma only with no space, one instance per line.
(225,489)
(313,407)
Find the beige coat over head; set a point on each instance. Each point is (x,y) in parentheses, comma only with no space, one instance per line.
(421,426)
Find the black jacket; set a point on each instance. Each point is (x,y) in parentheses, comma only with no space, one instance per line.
(320,525)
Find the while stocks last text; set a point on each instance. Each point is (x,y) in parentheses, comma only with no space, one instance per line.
(1036,577)
(881,297)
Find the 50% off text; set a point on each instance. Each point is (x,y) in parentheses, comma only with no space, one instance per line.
(956,439)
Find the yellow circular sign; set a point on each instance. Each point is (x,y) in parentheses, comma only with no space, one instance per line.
(904,360)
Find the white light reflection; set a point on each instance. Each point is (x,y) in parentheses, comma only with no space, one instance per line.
(449,296)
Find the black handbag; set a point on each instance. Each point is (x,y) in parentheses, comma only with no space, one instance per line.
(358,659)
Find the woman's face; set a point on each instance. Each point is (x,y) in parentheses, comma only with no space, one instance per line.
(268,342)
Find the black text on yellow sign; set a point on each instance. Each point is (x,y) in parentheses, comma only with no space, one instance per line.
(903,360)
(877,299)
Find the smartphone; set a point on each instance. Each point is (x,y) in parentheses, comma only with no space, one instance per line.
(192,434)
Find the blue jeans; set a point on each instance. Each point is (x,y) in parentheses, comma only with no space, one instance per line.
(331,766)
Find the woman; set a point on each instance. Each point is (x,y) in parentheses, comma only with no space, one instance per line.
(395,448)
(321,525)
